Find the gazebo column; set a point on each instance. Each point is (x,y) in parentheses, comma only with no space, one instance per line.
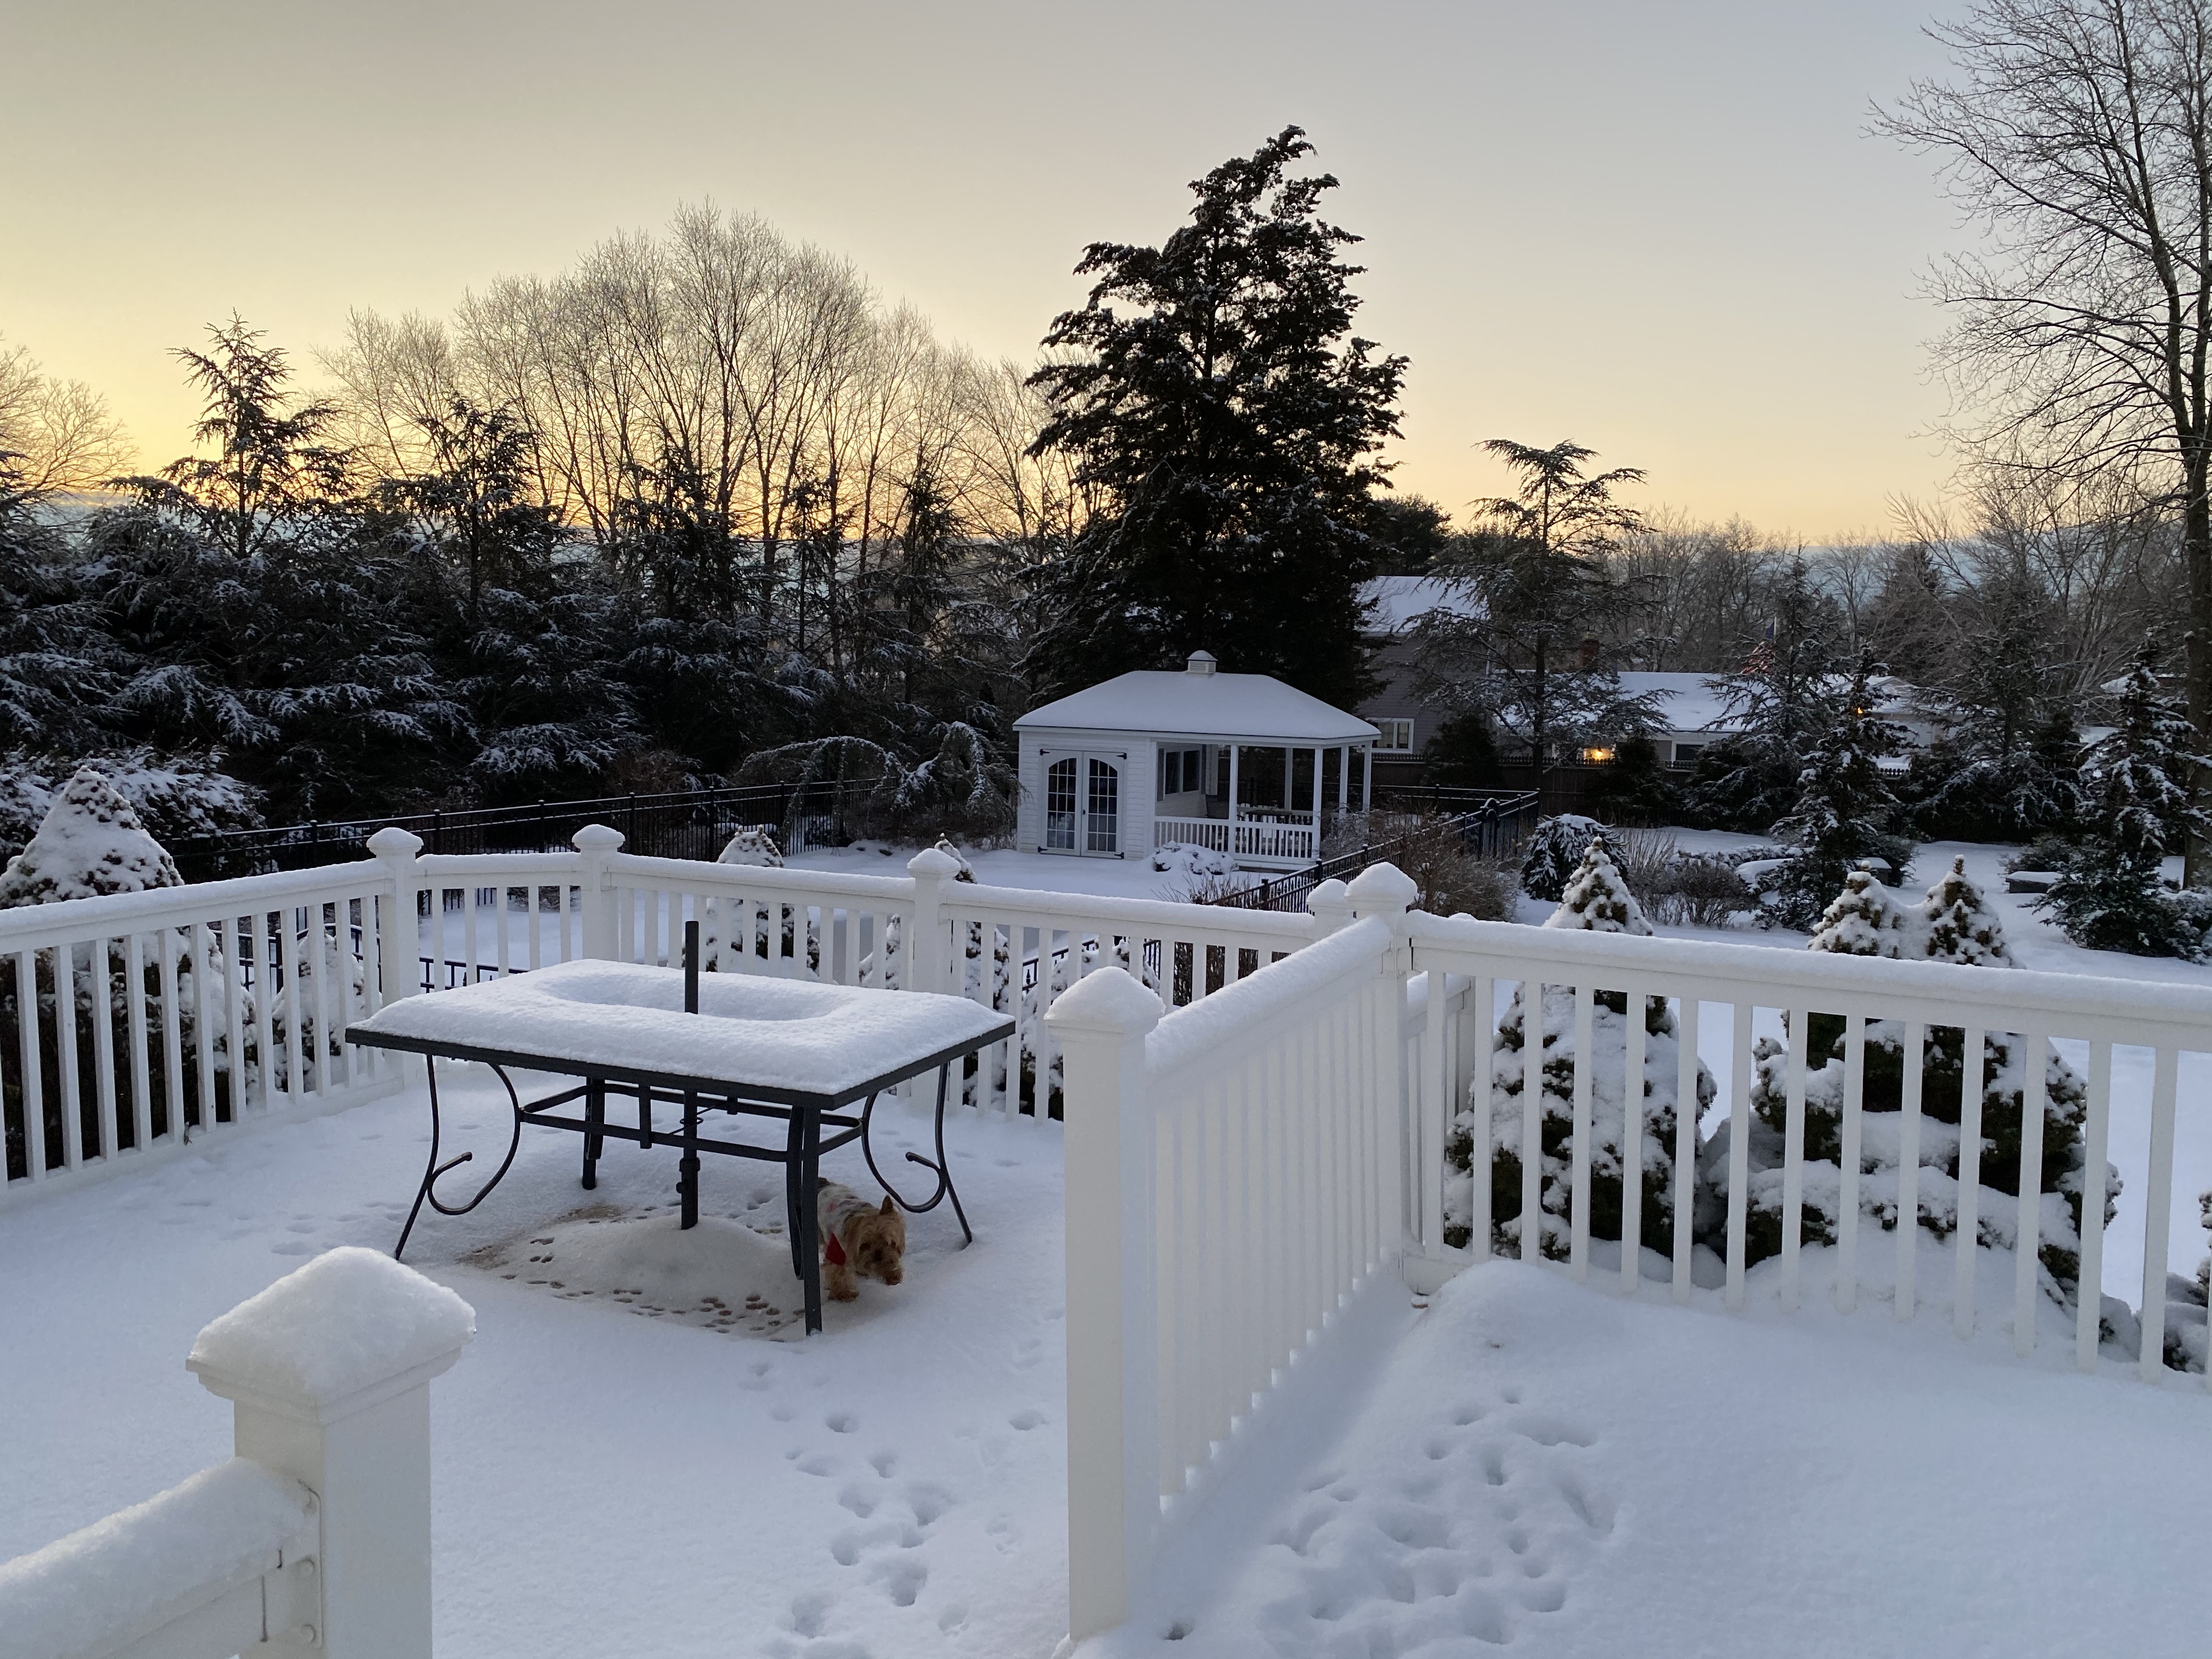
(1317,800)
(1343,777)
(1232,801)
(1366,778)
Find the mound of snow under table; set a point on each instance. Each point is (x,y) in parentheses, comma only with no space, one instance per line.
(1539,1467)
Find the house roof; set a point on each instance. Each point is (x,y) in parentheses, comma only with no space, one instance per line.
(1686,703)
(1257,707)
(1399,602)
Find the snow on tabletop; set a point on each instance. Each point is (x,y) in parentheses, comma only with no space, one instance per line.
(121,1570)
(349,1320)
(769,1033)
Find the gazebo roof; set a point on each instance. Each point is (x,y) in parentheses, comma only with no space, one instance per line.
(1201,703)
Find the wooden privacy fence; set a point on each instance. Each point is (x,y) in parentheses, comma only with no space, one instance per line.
(314,1538)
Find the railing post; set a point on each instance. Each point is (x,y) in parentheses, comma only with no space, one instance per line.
(596,890)
(1101,1023)
(1330,907)
(929,950)
(329,1372)
(1386,892)
(396,939)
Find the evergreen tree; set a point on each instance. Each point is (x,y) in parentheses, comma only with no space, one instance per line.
(1632,788)
(1216,402)
(1556,852)
(1789,693)
(2112,895)
(1954,923)
(1844,809)
(1597,900)
(1529,653)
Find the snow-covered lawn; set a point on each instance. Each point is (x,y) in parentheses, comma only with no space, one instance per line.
(607,1481)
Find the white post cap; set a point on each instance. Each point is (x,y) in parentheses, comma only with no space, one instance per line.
(933,861)
(1110,999)
(1201,662)
(596,838)
(393,843)
(1381,888)
(351,1329)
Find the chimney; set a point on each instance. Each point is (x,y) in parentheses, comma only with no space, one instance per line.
(1201,662)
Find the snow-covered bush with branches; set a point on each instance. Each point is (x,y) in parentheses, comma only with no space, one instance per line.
(1954,923)
(1188,859)
(1555,853)
(1596,899)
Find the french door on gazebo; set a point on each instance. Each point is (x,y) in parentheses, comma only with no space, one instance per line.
(1083,804)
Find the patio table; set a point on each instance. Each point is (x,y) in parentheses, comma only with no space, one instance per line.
(793,1050)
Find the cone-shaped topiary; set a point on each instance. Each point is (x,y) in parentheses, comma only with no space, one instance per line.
(1862,920)
(1960,925)
(1595,898)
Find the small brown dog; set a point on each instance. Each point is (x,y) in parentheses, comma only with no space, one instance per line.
(857,1238)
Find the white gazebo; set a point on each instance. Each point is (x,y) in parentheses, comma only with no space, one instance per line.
(1241,763)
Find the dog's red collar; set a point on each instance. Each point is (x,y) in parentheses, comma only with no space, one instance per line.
(833,1252)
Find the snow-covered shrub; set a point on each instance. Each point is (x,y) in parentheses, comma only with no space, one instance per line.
(753,844)
(91,842)
(1188,859)
(1677,888)
(175,797)
(1555,852)
(1954,924)
(1597,900)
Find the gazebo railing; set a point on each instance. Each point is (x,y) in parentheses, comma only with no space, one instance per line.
(1270,833)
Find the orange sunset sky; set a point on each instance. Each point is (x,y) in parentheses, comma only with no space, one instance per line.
(1661,230)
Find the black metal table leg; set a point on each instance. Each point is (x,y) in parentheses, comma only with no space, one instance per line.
(808,1214)
(427,1192)
(687,1177)
(794,1201)
(942,1167)
(595,1113)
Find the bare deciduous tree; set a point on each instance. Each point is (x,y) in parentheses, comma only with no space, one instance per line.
(2077,135)
(57,435)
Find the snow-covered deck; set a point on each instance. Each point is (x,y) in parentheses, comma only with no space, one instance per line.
(1529,1462)
(605,1481)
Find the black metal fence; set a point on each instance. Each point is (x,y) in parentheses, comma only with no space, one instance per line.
(690,824)
(1489,823)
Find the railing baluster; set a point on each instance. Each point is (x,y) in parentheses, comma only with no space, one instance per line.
(1972,1061)
(1578,1231)
(100,1020)
(26,1050)
(324,965)
(1739,1193)
(1908,1168)
(1684,1184)
(207,940)
(1631,1144)
(172,1043)
(1532,1120)
(1432,1121)
(470,956)
(2028,1245)
(1847,1242)
(296,1034)
(142,1078)
(1795,1059)
(1485,1034)
(2158,1217)
(2096,1135)
(65,1056)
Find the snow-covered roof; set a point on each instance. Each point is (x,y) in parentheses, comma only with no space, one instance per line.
(1399,602)
(1200,704)
(1686,703)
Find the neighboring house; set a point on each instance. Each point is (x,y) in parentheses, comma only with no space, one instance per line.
(1403,719)
(1241,763)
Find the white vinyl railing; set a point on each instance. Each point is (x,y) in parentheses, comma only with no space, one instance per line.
(315,1536)
(133,1023)
(1989,1012)
(1235,1181)
(1288,838)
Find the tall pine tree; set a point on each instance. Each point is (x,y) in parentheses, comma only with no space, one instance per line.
(1845,815)
(1213,396)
